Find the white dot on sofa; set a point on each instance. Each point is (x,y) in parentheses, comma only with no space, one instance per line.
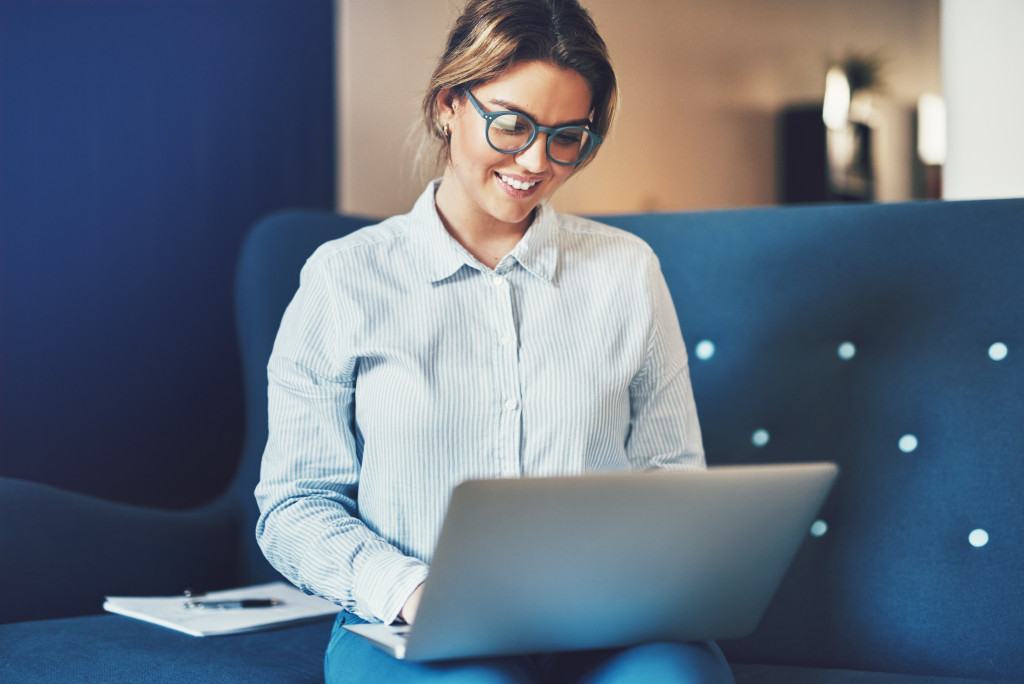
(998,351)
(760,438)
(978,538)
(704,350)
(847,350)
(819,528)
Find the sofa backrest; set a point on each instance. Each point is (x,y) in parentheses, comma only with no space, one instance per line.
(889,339)
(868,335)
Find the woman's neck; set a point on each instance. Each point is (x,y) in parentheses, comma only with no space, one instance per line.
(485,237)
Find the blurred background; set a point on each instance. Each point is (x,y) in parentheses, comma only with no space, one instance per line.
(722,102)
(141,139)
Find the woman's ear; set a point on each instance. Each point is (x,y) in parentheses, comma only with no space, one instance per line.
(446,104)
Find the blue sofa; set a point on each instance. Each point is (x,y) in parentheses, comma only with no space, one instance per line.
(888,338)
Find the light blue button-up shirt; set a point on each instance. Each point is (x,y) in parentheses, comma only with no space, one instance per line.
(403,367)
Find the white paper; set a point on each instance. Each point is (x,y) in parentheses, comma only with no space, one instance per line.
(171,611)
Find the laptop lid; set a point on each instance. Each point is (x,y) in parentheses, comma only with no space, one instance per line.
(602,560)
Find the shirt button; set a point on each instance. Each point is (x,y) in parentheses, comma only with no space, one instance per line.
(507,340)
(498,281)
(511,404)
(509,473)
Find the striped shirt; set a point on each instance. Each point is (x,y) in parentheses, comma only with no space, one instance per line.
(403,367)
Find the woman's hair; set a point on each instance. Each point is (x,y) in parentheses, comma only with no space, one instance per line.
(492,36)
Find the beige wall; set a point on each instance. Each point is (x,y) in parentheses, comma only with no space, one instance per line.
(982,54)
(702,83)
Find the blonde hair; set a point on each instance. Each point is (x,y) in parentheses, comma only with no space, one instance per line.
(492,36)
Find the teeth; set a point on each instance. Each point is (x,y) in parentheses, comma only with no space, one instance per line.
(518,185)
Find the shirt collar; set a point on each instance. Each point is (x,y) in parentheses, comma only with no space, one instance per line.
(537,252)
(438,256)
(441,256)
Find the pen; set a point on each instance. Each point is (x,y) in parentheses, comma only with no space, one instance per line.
(232,605)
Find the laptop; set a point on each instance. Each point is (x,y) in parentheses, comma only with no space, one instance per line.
(608,560)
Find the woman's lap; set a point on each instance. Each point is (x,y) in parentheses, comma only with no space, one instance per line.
(350,658)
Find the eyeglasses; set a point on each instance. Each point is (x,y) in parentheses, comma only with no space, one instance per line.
(512,132)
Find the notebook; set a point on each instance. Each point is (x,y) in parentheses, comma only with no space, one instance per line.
(606,560)
(232,611)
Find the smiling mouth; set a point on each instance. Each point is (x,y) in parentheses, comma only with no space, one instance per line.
(517,184)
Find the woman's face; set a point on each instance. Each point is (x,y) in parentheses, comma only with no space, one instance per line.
(480,179)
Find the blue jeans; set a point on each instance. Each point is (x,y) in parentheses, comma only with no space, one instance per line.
(350,658)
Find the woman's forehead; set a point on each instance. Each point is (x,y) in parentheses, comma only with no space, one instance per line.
(543,91)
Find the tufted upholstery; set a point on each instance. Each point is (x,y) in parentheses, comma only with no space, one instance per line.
(890,590)
(918,294)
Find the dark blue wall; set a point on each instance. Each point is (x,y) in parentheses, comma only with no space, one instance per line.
(139,140)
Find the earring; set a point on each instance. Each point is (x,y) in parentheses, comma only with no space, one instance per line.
(447,131)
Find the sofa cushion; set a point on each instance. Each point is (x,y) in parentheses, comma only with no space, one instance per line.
(111,648)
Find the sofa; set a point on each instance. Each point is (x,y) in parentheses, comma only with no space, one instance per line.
(886,338)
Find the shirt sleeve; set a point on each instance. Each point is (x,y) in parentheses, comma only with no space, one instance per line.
(664,429)
(309,527)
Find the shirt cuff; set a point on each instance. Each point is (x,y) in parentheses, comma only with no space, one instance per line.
(386,582)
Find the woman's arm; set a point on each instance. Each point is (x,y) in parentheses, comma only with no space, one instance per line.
(664,430)
(412,606)
(309,526)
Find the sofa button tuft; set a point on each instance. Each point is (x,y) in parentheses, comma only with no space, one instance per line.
(908,443)
(978,538)
(998,351)
(704,350)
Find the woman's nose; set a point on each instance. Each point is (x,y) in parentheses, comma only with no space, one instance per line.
(535,157)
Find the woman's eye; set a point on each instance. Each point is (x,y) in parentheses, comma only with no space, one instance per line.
(511,124)
(572,137)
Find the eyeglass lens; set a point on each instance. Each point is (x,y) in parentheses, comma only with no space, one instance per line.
(511,133)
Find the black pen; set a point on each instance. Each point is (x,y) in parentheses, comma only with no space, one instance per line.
(232,605)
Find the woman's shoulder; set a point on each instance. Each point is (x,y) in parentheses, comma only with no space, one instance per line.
(594,231)
(362,243)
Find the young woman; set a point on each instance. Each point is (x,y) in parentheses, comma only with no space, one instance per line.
(481,335)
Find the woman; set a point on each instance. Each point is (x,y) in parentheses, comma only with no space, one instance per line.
(481,335)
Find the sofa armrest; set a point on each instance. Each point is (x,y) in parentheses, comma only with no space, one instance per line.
(62,552)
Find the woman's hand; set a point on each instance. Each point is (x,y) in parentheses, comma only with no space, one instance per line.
(408,612)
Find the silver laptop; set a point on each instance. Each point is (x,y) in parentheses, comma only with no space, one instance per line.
(595,561)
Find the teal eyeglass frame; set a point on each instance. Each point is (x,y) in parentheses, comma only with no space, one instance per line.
(593,139)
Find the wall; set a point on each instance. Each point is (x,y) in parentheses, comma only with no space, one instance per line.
(702,83)
(139,141)
(982,54)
